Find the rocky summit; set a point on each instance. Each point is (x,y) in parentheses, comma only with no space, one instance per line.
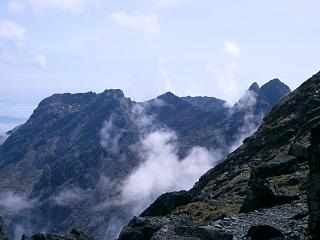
(262,190)
(66,165)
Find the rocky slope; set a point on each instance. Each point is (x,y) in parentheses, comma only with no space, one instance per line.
(65,164)
(258,192)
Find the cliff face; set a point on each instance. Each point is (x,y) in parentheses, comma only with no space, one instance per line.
(265,179)
(66,163)
(314,184)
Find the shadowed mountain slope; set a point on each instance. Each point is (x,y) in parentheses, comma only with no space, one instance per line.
(268,173)
(66,163)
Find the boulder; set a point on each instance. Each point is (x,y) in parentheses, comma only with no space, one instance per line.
(298,151)
(191,233)
(263,194)
(264,232)
(275,167)
(313,191)
(141,228)
(166,203)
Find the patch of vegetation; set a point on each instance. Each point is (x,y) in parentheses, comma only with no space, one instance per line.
(202,212)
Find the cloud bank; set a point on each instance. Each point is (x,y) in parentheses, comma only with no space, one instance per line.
(11,31)
(161,169)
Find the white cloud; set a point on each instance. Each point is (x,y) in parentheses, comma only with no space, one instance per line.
(148,24)
(40,60)
(232,49)
(69,197)
(14,203)
(71,6)
(227,86)
(226,83)
(165,76)
(161,169)
(11,31)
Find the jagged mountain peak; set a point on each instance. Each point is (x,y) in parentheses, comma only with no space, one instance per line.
(254,87)
(274,90)
(116,93)
(168,97)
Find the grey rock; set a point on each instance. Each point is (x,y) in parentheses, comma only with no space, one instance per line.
(313,191)
(264,232)
(298,151)
(275,167)
(192,233)
(166,203)
(263,194)
(140,228)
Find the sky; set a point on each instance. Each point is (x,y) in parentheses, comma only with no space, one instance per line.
(148,47)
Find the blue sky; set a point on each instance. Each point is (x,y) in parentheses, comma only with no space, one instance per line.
(147,47)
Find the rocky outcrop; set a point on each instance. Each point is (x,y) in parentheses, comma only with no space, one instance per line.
(298,151)
(263,194)
(191,233)
(275,167)
(140,228)
(157,228)
(314,184)
(73,235)
(264,232)
(166,203)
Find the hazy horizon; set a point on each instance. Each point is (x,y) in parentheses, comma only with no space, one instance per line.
(146,48)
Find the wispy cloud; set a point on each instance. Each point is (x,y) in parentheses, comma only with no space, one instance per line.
(232,49)
(40,60)
(165,76)
(147,24)
(226,77)
(11,31)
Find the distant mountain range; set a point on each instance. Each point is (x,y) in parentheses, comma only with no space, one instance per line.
(67,165)
(268,188)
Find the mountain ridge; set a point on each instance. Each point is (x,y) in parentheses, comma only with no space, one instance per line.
(278,149)
(75,140)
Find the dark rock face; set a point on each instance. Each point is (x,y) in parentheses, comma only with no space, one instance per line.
(208,104)
(298,151)
(192,233)
(274,90)
(275,167)
(73,235)
(140,228)
(314,184)
(2,235)
(264,232)
(152,228)
(263,194)
(166,203)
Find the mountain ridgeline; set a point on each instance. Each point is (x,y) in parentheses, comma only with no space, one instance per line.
(68,165)
(262,190)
